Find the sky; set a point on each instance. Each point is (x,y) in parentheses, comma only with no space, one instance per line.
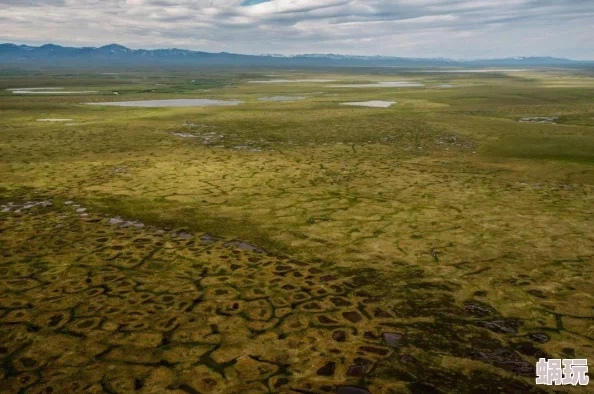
(460,29)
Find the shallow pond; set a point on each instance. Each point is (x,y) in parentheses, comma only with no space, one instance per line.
(373,103)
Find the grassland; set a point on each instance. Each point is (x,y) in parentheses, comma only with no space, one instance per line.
(451,244)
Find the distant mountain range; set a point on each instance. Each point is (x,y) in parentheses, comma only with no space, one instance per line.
(50,55)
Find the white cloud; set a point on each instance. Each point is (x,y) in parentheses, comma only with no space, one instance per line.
(450,28)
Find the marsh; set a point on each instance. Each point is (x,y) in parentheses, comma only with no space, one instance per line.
(395,227)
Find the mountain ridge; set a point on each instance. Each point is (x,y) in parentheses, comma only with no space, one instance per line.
(116,54)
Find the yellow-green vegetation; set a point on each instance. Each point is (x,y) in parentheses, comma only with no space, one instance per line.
(445,243)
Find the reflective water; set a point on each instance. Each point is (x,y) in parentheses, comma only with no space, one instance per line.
(373,103)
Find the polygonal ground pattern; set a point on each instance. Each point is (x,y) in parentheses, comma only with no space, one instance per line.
(89,306)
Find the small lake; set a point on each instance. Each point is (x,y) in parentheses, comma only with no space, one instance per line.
(373,103)
(170,103)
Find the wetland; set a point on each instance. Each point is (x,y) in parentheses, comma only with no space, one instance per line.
(178,242)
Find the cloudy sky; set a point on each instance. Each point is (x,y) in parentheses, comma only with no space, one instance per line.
(423,28)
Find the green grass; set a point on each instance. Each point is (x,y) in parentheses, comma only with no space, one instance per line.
(570,148)
(447,185)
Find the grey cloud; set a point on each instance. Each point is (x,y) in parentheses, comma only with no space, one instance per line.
(454,28)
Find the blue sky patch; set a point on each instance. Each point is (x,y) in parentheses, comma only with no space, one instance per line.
(247,3)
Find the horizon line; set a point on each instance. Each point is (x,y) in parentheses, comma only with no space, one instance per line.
(301,54)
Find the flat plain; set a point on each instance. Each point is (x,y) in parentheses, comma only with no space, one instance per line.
(442,244)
